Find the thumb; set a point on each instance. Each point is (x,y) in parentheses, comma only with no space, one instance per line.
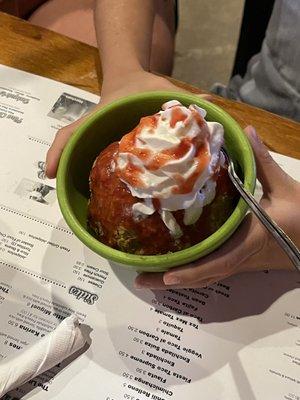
(53,155)
(231,256)
(61,138)
(205,96)
(234,255)
(270,175)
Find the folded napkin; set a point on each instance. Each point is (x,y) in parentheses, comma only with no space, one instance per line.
(35,359)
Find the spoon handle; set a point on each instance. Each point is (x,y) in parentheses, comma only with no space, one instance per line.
(279,235)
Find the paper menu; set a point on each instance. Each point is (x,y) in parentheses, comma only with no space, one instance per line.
(239,339)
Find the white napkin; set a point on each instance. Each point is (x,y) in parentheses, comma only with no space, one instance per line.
(59,344)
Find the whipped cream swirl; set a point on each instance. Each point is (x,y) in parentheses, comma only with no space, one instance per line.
(169,161)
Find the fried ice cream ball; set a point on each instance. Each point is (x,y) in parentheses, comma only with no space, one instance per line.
(112,221)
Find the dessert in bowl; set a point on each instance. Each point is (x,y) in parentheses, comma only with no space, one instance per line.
(159,193)
(165,179)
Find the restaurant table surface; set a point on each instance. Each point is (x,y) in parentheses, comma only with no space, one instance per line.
(46,53)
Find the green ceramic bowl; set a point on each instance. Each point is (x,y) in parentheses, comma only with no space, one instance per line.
(108,125)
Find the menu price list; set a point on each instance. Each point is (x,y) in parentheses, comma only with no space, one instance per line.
(158,357)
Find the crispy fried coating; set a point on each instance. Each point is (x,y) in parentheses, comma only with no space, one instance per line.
(110,213)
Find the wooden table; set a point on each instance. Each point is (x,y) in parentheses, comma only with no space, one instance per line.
(49,54)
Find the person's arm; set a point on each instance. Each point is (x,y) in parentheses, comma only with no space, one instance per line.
(251,248)
(124,31)
(124,34)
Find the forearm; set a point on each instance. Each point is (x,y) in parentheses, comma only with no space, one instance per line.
(124,33)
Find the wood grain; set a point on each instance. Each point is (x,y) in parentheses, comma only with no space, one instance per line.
(42,52)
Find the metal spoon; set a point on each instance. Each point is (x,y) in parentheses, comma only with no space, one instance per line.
(278,234)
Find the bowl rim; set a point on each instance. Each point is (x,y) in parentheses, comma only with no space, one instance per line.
(169,259)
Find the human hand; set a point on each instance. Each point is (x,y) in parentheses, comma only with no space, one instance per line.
(251,248)
(113,88)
